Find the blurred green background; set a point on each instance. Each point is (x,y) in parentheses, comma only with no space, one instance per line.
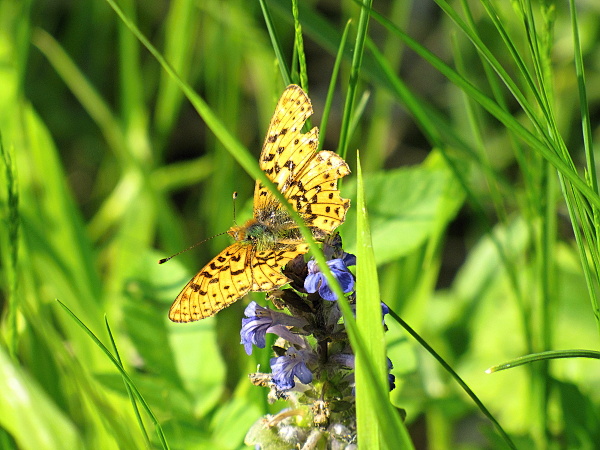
(475,122)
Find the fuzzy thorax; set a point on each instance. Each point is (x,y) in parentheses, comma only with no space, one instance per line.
(264,237)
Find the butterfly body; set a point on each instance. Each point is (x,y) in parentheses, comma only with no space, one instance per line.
(267,242)
(265,236)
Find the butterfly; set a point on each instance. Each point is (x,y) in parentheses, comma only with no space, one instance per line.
(307,178)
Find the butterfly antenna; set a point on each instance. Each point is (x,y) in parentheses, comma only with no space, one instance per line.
(164,260)
(234,196)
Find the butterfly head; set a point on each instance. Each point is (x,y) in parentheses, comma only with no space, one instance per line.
(238,233)
(251,232)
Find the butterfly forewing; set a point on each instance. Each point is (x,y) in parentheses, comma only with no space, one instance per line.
(221,282)
(286,149)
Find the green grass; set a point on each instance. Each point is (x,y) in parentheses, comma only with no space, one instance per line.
(125,129)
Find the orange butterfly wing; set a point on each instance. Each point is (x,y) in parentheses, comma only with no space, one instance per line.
(306,178)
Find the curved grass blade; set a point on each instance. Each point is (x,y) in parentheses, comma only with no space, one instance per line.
(456,377)
(544,356)
(124,374)
(129,391)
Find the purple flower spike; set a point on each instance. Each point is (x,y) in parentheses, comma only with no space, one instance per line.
(290,365)
(261,321)
(316,281)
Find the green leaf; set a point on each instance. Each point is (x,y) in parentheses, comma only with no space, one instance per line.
(403,209)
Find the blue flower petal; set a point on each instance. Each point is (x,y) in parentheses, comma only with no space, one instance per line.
(392,381)
(253,332)
(261,321)
(303,373)
(288,366)
(337,265)
(346,281)
(313,282)
(316,281)
(326,293)
(384,309)
(349,259)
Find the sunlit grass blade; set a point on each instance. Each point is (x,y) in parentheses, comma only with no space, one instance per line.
(591,175)
(355,68)
(275,43)
(389,420)
(29,415)
(332,84)
(370,331)
(583,99)
(299,45)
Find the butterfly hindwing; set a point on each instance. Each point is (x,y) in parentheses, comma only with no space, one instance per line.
(267,265)
(315,195)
